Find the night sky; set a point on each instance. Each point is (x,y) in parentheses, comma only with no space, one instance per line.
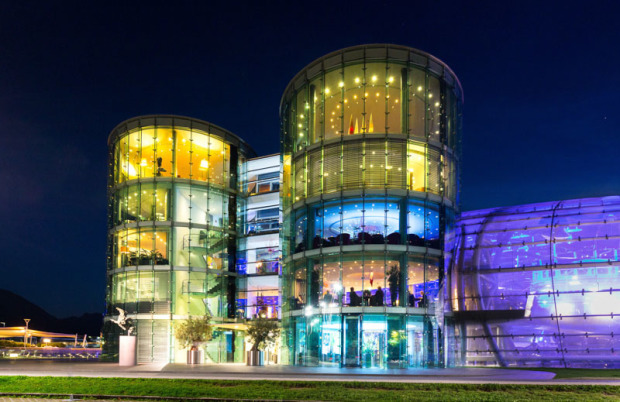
(541,123)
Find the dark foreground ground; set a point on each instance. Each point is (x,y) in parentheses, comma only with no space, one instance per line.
(54,379)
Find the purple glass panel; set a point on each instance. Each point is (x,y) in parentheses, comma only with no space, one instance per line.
(547,277)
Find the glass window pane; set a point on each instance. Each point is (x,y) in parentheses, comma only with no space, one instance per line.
(434,108)
(417,103)
(372,119)
(183,153)
(416,172)
(353,116)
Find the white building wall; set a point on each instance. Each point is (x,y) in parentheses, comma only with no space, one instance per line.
(259,247)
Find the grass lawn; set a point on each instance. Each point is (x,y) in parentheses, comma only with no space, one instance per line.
(300,390)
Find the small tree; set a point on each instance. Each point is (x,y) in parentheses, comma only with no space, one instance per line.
(194,331)
(263,332)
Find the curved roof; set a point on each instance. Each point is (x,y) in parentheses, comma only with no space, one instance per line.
(16,332)
(375,51)
(180,121)
(581,231)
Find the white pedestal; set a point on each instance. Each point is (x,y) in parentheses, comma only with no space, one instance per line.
(127,351)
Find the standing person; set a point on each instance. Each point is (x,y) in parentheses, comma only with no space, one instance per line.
(378,297)
(328,298)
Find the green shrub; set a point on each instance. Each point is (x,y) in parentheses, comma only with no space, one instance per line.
(7,343)
(54,344)
(262,332)
(194,331)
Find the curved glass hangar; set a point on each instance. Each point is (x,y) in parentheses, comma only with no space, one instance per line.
(538,285)
(370,144)
(172,232)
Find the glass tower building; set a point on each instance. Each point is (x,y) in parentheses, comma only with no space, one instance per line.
(352,235)
(370,158)
(172,232)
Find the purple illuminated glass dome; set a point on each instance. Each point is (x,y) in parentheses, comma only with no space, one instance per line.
(538,284)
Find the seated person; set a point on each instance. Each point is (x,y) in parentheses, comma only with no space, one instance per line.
(296,302)
(411,299)
(354,299)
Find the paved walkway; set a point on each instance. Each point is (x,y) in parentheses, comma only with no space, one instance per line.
(287,373)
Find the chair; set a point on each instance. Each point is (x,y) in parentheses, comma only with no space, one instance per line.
(377,238)
(300,247)
(393,238)
(415,240)
(364,237)
(343,239)
(434,243)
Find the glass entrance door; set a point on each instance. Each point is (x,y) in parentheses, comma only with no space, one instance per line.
(300,342)
(230,346)
(374,336)
(351,341)
(415,343)
(330,341)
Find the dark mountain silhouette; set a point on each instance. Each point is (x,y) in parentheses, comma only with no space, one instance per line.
(14,308)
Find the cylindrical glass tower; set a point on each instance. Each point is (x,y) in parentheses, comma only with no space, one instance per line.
(370,143)
(172,220)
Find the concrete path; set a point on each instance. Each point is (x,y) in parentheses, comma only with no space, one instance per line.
(287,373)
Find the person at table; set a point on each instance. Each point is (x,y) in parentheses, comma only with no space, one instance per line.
(423,300)
(367,297)
(354,299)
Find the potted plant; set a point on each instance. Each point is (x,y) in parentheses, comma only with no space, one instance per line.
(262,333)
(193,332)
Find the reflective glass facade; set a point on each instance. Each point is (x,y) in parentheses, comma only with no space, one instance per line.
(172,238)
(538,284)
(370,139)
